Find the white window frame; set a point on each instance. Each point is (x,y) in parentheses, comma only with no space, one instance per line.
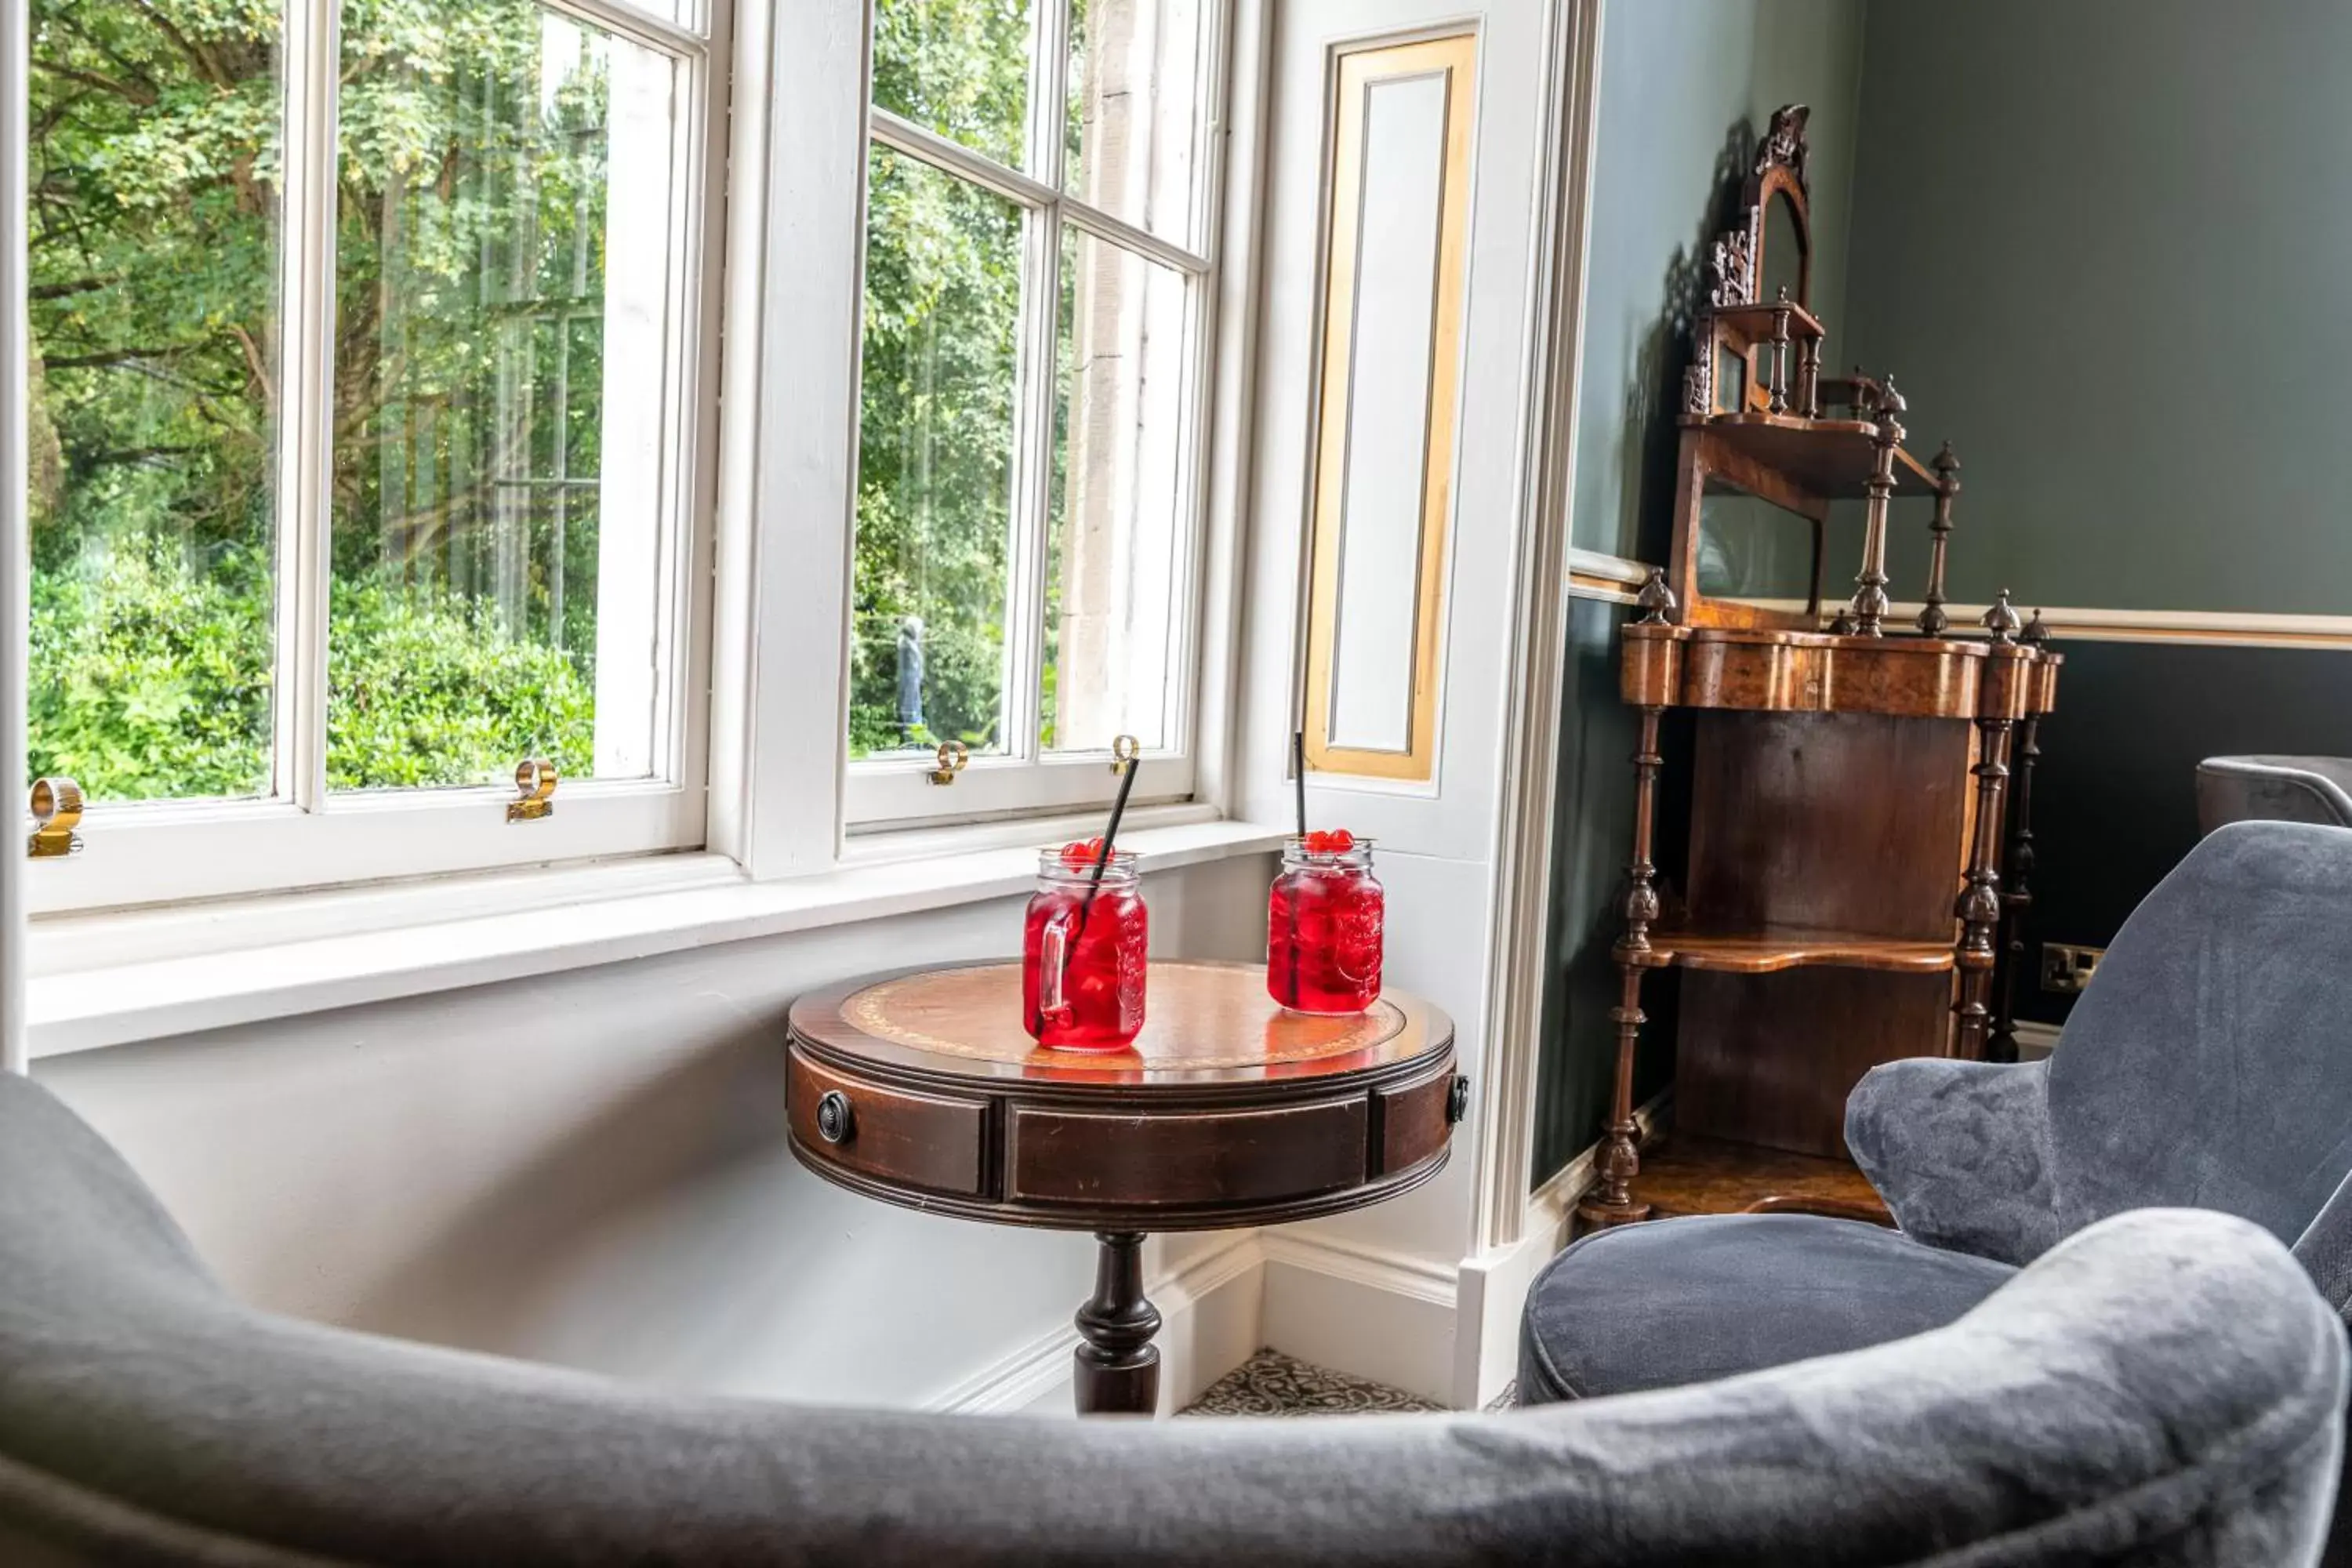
(895,790)
(301,834)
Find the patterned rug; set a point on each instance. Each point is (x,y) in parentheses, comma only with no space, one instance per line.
(1272,1383)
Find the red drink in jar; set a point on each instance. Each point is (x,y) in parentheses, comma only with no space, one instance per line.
(1323,925)
(1082,951)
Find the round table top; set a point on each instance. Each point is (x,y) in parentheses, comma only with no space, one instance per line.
(1206,1025)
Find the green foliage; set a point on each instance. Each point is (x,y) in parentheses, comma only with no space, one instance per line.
(471,231)
(149,681)
(471,225)
(957,67)
(941,354)
(431,692)
(153,681)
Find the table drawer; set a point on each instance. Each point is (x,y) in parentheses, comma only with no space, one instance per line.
(895,1135)
(1416,1120)
(1258,1156)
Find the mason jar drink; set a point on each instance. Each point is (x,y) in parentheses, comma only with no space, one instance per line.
(1324,921)
(1082,951)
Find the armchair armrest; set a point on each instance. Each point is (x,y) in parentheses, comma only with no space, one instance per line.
(1960,1151)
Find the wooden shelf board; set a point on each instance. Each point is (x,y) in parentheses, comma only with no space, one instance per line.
(1768,951)
(1832,458)
(1686,1175)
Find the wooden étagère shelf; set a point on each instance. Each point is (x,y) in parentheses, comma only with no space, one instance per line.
(1855,873)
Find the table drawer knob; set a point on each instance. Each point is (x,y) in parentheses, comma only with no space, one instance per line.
(1458,1101)
(834,1122)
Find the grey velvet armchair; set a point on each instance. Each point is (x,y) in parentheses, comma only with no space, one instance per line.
(2208,1065)
(148,1417)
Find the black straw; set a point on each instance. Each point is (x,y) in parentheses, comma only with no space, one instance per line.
(1110,834)
(1298,773)
(1102,862)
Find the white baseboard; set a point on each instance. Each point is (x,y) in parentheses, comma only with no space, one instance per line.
(1209,1324)
(1355,1309)
(1494,1291)
(1363,1311)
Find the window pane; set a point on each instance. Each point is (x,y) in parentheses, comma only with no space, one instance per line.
(154,236)
(1134,87)
(1115,551)
(935,461)
(503,281)
(959,68)
(690,14)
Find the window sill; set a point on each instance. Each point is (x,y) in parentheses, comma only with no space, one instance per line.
(111,980)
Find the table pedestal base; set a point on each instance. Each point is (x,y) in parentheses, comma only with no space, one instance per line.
(1117,1365)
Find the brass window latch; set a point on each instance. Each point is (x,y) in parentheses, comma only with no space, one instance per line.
(535,782)
(56,812)
(954,757)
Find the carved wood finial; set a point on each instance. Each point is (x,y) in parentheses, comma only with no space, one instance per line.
(2036,633)
(1933,621)
(2001,620)
(1843,623)
(1656,599)
(1784,142)
(1891,407)
(1870,603)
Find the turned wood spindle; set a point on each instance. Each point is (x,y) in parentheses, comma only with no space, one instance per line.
(1808,378)
(1932,619)
(1870,603)
(2017,887)
(1611,1201)
(1780,382)
(1979,907)
(1117,1366)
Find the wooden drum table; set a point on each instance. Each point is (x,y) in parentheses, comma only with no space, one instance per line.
(923,1089)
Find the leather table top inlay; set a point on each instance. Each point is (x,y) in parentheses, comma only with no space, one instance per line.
(1196,1015)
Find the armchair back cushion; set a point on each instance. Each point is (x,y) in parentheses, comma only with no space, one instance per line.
(2209,1063)
(2161,1389)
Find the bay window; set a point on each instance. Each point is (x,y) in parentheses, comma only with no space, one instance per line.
(369,347)
(376,427)
(1039,266)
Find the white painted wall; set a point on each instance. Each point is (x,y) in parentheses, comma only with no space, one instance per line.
(590,1169)
(1436,841)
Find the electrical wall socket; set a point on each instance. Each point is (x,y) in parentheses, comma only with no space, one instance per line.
(2065,969)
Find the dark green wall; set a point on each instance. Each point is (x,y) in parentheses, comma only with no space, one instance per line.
(2102,244)
(1685,85)
(1592,831)
(2103,247)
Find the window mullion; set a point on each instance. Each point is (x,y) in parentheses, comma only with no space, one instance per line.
(305,401)
(1024,638)
(1049,85)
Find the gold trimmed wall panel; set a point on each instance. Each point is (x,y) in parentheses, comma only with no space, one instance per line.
(1344,735)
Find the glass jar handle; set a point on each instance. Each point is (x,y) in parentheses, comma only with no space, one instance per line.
(1053,946)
